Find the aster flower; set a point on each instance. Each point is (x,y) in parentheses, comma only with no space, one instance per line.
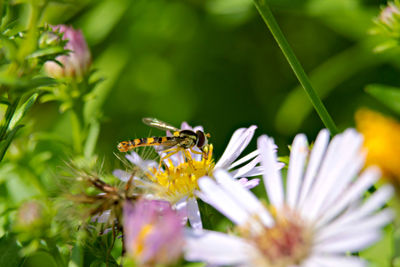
(153,232)
(176,181)
(314,219)
(77,63)
(382,141)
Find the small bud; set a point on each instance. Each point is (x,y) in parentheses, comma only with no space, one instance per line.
(30,216)
(77,63)
(153,232)
(390,15)
(387,26)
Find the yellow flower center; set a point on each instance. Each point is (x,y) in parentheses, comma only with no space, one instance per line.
(286,243)
(139,244)
(180,181)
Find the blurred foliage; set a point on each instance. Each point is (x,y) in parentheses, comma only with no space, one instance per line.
(210,63)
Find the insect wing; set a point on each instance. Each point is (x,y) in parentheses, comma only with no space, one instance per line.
(173,141)
(153,122)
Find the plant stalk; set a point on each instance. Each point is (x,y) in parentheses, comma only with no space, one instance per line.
(294,63)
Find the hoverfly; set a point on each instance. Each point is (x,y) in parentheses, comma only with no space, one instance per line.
(181,140)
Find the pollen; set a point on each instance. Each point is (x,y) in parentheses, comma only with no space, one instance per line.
(287,243)
(177,182)
(139,244)
(381,140)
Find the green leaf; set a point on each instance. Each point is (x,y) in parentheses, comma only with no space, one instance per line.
(4,144)
(22,110)
(381,253)
(388,95)
(5,101)
(9,248)
(20,83)
(49,51)
(40,258)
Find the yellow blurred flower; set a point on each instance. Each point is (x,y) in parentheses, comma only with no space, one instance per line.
(382,141)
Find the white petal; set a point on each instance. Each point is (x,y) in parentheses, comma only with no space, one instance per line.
(103,217)
(138,161)
(338,156)
(185,126)
(244,170)
(327,164)
(239,141)
(222,201)
(244,159)
(122,175)
(216,248)
(244,197)
(348,243)
(343,181)
(336,261)
(374,202)
(372,223)
(298,157)
(272,176)
(181,209)
(317,154)
(194,213)
(256,171)
(366,180)
(249,184)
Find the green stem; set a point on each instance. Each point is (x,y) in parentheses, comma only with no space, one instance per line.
(76,132)
(298,70)
(55,252)
(91,139)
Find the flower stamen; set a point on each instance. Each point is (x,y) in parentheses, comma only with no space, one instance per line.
(181,180)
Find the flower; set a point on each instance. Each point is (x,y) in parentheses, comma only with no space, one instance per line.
(387,26)
(382,141)
(313,220)
(153,232)
(77,63)
(390,15)
(176,182)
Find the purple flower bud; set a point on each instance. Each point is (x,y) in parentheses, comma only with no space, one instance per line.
(77,63)
(390,15)
(153,232)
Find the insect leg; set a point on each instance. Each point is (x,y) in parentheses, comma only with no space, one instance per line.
(196,152)
(173,151)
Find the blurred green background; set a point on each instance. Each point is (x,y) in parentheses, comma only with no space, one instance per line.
(214,63)
(207,62)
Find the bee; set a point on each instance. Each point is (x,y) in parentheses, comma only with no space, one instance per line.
(181,140)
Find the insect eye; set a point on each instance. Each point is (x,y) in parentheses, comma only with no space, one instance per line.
(201,139)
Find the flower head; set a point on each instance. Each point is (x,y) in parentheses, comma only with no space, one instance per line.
(313,220)
(177,179)
(387,25)
(76,64)
(390,15)
(382,141)
(153,232)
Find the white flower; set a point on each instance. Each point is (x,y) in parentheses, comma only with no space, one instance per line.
(176,181)
(315,220)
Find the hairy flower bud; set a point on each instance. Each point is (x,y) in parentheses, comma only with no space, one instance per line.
(387,26)
(77,63)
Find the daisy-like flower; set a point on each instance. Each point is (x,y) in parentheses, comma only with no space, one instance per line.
(176,180)
(315,218)
(153,232)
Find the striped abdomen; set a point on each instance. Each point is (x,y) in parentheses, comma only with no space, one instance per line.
(150,141)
